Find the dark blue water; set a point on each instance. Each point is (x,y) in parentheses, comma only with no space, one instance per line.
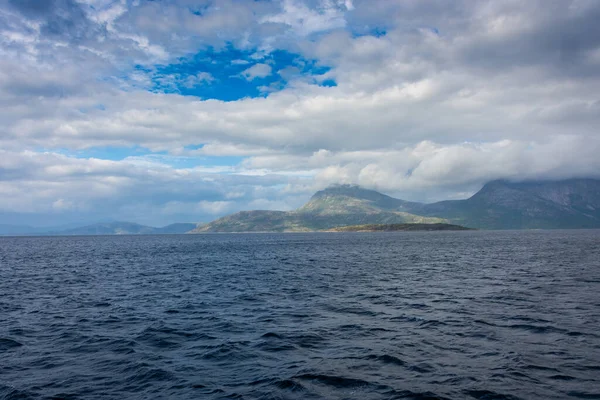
(461,315)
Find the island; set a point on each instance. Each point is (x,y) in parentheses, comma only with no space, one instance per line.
(399,228)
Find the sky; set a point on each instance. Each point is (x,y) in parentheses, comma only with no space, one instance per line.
(161,111)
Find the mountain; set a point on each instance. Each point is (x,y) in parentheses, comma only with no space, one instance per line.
(500,204)
(103,228)
(339,205)
(342,198)
(109,228)
(573,203)
(127,228)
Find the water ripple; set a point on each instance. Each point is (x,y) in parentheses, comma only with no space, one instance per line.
(438,315)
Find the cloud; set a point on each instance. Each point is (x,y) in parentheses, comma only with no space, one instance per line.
(257,71)
(228,149)
(431,100)
(198,79)
(431,171)
(144,190)
(305,20)
(60,19)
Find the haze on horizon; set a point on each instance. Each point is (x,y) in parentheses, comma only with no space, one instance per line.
(183,111)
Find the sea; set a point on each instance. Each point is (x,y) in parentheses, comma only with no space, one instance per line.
(394,315)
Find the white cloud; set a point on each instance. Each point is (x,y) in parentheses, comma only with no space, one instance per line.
(452,95)
(228,149)
(257,71)
(146,190)
(199,79)
(214,207)
(304,20)
(62,205)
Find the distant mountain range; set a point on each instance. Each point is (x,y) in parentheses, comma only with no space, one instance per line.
(127,228)
(103,228)
(573,203)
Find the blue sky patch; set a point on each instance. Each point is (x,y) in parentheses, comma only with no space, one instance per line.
(231,74)
(377,32)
